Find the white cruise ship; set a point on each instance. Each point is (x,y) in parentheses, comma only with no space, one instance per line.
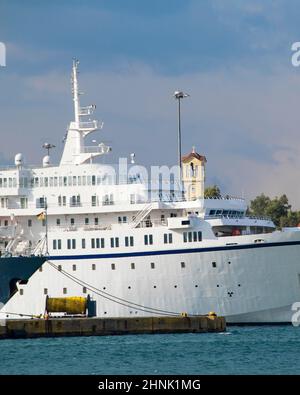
(136,251)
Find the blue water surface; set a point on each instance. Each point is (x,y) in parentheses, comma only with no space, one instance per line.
(240,350)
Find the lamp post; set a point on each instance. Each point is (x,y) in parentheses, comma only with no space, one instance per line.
(178,95)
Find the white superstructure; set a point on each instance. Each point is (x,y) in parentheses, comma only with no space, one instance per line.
(135,251)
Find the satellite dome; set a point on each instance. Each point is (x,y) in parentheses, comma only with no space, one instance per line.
(19,159)
(46,161)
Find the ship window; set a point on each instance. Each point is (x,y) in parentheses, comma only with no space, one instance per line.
(93,266)
(93,180)
(74,268)
(45,291)
(148,239)
(96,221)
(84,290)
(184,237)
(93,243)
(152,265)
(54,244)
(72,221)
(59,268)
(73,244)
(69,244)
(86,221)
(59,244)
(132,266)
(64,290)
(29,223)
(185,222)
(168,238)
(129,241)
(183,265)
(58,221)
(195,236)
(214,264)
(83,243)
(113,266)
(114,242)
(21,291)
(94,200)
(40,268)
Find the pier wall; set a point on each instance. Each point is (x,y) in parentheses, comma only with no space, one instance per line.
(53,327)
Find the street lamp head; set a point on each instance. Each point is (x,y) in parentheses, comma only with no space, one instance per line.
(180,95)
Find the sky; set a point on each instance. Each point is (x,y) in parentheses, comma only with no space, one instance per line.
(232,57)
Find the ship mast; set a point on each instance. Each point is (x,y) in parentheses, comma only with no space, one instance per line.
(75,91)
(75,150)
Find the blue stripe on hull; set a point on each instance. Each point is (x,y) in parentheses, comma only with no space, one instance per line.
(174,252)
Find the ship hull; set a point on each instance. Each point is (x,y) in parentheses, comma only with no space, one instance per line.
(13,269)
(248,283)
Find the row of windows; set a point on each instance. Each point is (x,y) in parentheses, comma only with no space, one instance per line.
(129,241)
(189,237)
(233,213)
(113,266)
(132,265)
(84,290)
(63,181)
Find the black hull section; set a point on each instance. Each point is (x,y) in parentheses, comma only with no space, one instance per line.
(13,269)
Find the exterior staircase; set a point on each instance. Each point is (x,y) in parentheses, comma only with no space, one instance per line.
(141,215)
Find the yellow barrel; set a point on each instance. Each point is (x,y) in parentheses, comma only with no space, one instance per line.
(69,305)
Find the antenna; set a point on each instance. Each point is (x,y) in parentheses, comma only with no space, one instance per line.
(48,147)
(75,90)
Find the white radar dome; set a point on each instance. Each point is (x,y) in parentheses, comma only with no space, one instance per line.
(19,160)
(46,161)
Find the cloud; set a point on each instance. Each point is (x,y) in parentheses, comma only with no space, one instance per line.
(245,123)
(233,59)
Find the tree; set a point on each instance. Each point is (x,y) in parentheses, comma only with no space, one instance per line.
(212,192)
(278,209)
(259,205)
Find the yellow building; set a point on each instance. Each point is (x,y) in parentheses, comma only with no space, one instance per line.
(193,175)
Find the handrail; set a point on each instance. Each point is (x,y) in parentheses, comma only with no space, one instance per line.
(229,216)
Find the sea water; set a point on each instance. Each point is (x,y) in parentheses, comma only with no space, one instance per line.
(240,350)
